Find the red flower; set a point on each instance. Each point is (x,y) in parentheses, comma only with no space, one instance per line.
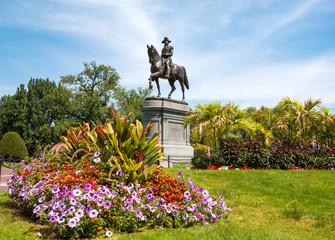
(99,229)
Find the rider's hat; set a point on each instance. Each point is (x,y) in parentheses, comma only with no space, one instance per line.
(166,40)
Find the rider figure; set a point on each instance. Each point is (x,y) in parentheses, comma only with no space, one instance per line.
(167,53)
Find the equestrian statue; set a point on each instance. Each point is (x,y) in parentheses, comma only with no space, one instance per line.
(162,67)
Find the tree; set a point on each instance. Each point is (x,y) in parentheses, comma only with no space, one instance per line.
(130,101)
(211,122)
(92,91)
(324,127)
(29,112)
(300,114)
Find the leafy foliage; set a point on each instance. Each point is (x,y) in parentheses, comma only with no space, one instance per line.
(29,112)
(12,144)
(92,90)
(247,153)
(130,101)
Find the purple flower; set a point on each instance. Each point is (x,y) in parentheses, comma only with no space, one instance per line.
(138,213)
(185,216)
(152,208)
(119,173)
(191,208)
(41,199)
(109,234)
(180,173)
(129,201)
(96,154)
(93,213)
(79,213)
(46,176)
(100,202)
(61,220)
(268,163)
(187,194)
(150,197)
(88,209)
(62,207)
(95,197)
(64,188)
(96,160)
(159,215)
(70,194)
(71,210)
(73,201)
(175,213)
(188,199)
(221,197)
(88,186)
(72,223)
(107,205)
(120,184)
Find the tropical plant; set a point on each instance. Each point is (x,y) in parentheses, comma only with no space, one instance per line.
(300,115)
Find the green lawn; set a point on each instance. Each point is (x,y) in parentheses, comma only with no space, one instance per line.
(268,204)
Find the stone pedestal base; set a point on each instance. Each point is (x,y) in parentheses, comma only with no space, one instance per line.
(168,116)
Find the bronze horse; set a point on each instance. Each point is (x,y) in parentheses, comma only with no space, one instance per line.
(157,71)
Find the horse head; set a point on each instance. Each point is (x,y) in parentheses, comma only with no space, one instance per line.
(153,54)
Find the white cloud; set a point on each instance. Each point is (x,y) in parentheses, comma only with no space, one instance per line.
(287,18)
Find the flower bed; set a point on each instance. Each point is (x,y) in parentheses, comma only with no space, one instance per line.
(97,183)
(252,154)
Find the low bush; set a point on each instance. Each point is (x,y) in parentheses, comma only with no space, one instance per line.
(12,144)
(251,153)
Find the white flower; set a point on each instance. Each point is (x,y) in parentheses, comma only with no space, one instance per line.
(77,192)
(38,234)
(109,234)
(97,160)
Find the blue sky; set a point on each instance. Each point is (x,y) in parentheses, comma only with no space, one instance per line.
(251,52)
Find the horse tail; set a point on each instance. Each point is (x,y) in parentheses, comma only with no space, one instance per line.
(186,79)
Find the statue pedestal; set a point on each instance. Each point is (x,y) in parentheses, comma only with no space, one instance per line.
(168,116)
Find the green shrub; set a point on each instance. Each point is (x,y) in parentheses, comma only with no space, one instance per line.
(251,153)
(13,144)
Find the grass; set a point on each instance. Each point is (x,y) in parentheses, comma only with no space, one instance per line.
(268,204)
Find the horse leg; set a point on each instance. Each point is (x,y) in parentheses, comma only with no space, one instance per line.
(171,82)
(182,88)
(157,74)
(158,88)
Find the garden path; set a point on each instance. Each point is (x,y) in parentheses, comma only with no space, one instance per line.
(5,174)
